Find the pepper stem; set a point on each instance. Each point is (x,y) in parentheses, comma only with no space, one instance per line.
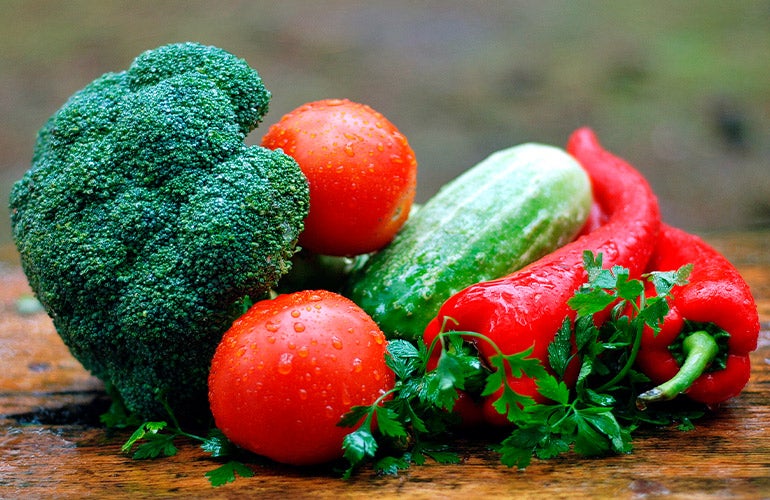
(700,348)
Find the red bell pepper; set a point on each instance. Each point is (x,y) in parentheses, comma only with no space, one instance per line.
(715,302)
(525,309)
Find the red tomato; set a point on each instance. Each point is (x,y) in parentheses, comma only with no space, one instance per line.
(290,368)
(361,171)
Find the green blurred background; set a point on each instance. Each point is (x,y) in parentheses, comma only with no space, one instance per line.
(678,88)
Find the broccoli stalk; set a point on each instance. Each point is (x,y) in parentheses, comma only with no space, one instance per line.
(145,218)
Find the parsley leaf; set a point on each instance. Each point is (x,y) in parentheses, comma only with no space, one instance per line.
(559,351)
(226,473)
(155,439)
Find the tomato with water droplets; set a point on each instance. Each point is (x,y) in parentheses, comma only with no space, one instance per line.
(361,171)
(287,371)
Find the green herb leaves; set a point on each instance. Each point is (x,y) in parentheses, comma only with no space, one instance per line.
(586,387)
(415,410)
(596,417)
(158,439)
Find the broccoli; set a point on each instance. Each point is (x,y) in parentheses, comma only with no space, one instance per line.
(145,220)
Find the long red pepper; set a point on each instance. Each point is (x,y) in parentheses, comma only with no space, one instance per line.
(715,299)
(526,308)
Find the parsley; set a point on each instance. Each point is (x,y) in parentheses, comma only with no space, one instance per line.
(158,439)
(595,417)
(416,411)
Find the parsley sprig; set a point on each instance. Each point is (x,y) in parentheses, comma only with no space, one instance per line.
(595,416)
(158,439)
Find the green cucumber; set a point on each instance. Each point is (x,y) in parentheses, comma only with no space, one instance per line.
(509,210)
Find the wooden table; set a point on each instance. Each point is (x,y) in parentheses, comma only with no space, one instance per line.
(52,446)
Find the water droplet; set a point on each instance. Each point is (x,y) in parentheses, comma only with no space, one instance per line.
(336,342)
(303,351)
(270,339)
(240,352)
(295,313)
(346,401)
(299,327)
(315,297)
(272,326)
(376,375)
(349,150)
(329,411)
(284,363)
(291,345)
(357,366)
(302,394)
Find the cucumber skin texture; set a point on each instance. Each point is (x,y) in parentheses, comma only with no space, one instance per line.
(510,209)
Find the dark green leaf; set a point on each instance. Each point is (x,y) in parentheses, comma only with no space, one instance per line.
(217,445)
(560,349)
(156,445)
(518,448)
(604,421)
(665,281)
(553,389)
(354,416)
(629,290)
(592,264)
(403,358)
(605,279)
(141,432)
(443,382)
(653,314)
(588,441)
(442,456)
(586,332)
(387,422)
(590,301)
(552,446)
(226,473)
(602,400)
(359,445)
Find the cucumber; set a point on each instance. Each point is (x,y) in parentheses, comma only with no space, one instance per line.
(512,208)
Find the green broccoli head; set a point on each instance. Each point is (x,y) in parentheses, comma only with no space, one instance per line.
(145,218)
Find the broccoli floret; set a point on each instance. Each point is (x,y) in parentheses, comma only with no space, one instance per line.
(145,218)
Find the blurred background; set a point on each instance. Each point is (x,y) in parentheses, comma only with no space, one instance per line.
(680,89)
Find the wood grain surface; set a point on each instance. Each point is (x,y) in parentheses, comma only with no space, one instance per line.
(51,445)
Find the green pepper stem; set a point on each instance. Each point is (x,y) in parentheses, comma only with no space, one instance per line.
(700,348)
